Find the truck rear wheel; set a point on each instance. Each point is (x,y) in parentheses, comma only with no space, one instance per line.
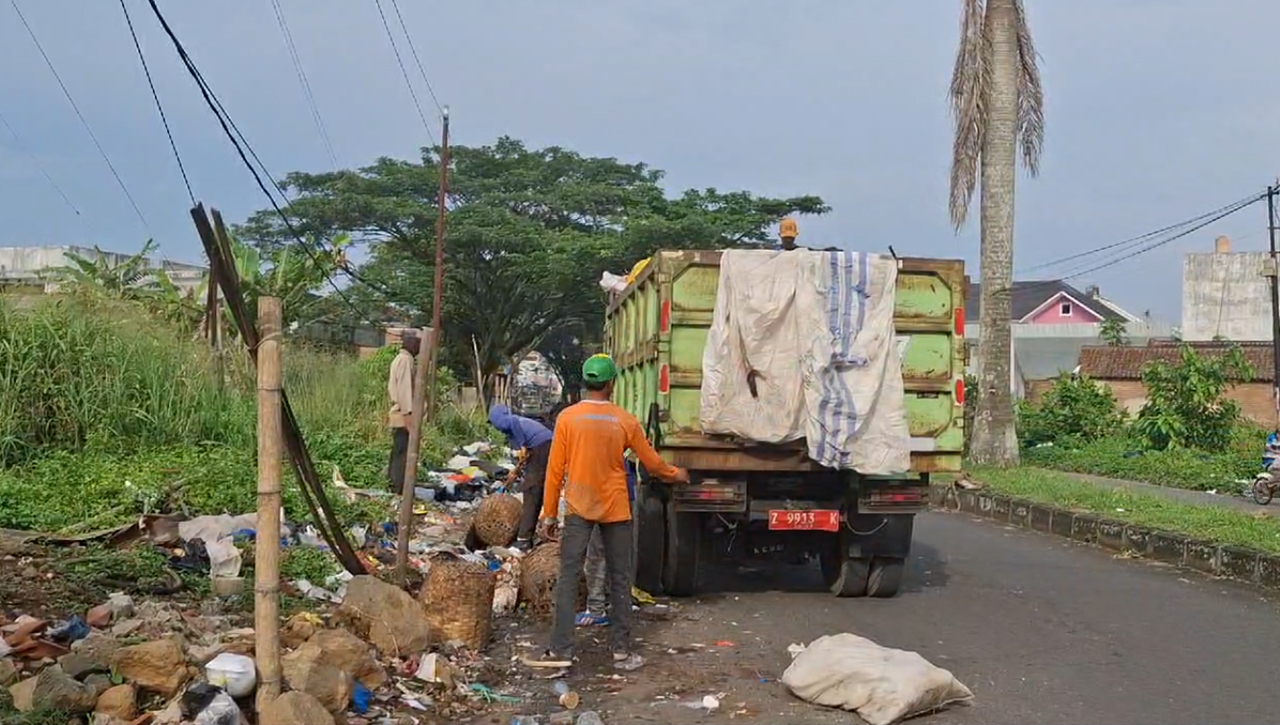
(683,551)
(886,577)
(850,577)
(650,542)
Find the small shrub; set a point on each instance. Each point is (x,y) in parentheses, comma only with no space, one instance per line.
(1185,404)
(1075,408)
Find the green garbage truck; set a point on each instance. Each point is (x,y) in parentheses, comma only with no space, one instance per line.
(752,501)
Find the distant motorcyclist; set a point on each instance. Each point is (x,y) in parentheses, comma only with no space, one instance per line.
(1271,453)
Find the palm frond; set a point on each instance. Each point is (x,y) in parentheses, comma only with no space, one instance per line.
(1030,95)
(969,81)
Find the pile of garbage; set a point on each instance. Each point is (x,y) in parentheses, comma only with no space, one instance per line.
(365,651)
(371,659)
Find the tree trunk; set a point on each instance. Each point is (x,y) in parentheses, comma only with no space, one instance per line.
(994,439)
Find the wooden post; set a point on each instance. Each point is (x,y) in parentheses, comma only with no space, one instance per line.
(424,395)
(213,325)
(266,586)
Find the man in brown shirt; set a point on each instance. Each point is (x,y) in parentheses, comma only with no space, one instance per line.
(400,391)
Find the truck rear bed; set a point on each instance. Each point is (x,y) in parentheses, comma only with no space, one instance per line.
(657,329)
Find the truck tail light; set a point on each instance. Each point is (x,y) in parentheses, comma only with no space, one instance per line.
(664,317)
(959,322)
(664,379)
(959,396)
(895,495)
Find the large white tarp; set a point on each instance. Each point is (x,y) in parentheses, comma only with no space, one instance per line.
(812,333)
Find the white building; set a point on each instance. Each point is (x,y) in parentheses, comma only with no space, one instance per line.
(35,268)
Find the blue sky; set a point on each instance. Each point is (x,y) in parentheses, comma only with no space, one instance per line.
(1157,112)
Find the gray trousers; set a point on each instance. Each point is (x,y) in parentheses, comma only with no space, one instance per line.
(575,537)
(597,581)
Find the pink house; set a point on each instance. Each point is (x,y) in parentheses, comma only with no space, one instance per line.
(1052,302)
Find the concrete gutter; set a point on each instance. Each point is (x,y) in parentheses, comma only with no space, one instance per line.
(1206,557)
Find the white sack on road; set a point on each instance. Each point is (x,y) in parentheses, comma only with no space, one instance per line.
(815,331)
(881,684)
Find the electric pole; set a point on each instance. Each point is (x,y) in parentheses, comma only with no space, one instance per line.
(1273,271)
(424,380)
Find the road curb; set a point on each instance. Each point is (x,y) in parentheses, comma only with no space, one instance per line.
(1234,562)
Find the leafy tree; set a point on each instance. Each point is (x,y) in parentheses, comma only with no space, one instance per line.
(1185,405)
(530,231)
(1113,333)
(1075,410)
(998,105)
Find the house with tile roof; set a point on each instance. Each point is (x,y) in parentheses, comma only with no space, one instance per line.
(1120,369)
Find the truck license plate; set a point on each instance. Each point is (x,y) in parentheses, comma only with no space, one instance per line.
(804,520)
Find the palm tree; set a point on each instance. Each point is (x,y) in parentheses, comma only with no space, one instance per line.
(998,107)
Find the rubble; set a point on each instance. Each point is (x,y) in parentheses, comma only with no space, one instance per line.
(306,671)
(396,624)
(159,666)
(52,689)
(295,708)
(117,703)
(347,651)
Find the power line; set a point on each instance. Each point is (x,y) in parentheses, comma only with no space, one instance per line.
(245,151)
(156,97)
(306,84)
(1205,220)
(36,161)
(413,49)
(404,72)
(1134,241)
(83,120)
(1155,245)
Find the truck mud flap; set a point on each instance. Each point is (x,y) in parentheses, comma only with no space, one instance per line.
(870,535)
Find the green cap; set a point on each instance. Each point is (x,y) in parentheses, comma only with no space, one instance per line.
(599,369)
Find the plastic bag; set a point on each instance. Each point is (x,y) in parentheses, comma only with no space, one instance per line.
(232,672)
(206,704)
(881,684)
(610,282)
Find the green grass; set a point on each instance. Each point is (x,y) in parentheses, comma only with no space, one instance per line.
(106,412)
(1119,457)
(1212,523)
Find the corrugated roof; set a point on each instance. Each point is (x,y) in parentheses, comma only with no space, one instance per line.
(1027,296)
(1127,362)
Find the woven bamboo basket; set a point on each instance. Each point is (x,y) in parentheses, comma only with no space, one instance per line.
(497,519)
(539,571)
(458,599)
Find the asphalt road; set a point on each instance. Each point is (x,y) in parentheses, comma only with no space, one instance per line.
(1042,630)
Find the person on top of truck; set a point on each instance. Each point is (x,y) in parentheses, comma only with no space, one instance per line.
(788,230)
(587,452)
(535,439)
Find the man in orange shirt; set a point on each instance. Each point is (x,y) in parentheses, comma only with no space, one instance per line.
(587,452)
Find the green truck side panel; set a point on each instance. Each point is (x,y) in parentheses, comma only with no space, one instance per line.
(930,293)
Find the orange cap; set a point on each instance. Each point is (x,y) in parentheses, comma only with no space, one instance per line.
(788,228)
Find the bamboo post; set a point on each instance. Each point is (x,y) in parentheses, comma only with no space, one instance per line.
(266,586)
(424,394)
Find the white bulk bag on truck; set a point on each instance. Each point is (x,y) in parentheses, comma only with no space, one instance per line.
(813,334)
